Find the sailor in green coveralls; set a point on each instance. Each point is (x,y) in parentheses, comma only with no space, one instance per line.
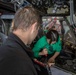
(49,44)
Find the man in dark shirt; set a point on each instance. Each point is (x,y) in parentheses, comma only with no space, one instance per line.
(15,56)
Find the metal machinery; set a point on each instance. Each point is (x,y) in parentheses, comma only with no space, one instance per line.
(58,13)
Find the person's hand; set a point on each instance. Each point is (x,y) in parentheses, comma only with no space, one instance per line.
(51,60)
(51,64)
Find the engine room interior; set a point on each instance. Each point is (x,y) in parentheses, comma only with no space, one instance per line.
(58,14)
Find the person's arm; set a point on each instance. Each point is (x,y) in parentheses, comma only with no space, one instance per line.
(37,47)
(52,59)
(59,45)
(57,48)
(36,51)
(41,43)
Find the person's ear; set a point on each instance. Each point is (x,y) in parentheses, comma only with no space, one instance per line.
(12,24)
(33,27)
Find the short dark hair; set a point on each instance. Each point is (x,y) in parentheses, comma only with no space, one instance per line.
(52,35)
(25,17)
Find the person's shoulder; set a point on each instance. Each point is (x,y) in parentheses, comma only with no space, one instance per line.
(3,48)
(15,63)
(59,39)
(43,38)
(41,41)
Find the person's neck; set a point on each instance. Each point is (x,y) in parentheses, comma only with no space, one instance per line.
(22,35)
